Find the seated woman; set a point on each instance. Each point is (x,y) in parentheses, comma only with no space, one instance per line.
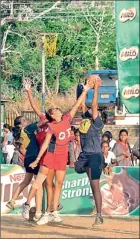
(122,150)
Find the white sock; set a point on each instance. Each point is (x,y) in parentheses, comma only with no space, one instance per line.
(38,213)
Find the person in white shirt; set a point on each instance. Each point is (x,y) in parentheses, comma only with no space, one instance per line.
(109,156)
(7,145)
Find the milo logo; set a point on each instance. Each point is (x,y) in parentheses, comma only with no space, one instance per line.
(130,53)
(127,14)
(133,91)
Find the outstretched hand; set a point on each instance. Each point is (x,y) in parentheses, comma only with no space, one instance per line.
(98,82)
(27,85)
(89,83)
(92,82)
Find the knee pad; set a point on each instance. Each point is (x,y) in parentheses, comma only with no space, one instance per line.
(39,181)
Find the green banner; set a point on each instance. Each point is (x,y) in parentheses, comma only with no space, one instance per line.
(120,192)
(127,31)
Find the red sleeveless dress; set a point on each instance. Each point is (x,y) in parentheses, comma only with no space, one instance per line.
(62,131)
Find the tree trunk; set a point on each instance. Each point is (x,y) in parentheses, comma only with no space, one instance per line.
(97,52)
(57,83)
(96,63)
(12,9)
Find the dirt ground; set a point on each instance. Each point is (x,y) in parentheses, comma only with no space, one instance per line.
(72,227)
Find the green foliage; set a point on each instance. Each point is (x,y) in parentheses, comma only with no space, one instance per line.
(75,51)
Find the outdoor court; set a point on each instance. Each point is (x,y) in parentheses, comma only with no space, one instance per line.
(72,227)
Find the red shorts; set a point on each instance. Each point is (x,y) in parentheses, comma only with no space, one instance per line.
(55,161)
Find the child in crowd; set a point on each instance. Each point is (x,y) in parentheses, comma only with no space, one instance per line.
(107,136)
(74,148)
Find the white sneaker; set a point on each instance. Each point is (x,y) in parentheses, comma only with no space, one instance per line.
(56,217)
(25,212)
(37,217)
(47,217)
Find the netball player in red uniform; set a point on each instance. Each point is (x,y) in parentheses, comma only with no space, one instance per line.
(40,136)
(55,160)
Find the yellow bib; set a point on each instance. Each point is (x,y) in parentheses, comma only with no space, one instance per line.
(25,138)
(84,126)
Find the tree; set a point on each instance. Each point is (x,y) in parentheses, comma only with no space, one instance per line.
(76,45)
(25,12)
(102,24)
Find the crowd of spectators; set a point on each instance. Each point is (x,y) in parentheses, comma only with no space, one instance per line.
(116,152)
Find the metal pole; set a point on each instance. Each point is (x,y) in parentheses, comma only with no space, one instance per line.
(43,76)
(43,108)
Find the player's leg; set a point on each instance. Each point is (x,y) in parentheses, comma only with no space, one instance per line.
(49,184)
(20,188)
(59,176)
(37,184)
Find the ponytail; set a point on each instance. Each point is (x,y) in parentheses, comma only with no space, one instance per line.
(16,132)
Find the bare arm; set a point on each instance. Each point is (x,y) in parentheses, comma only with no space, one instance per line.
(4,140)
(42,123)
(82,97)
(33,103)
(78,103)
(84,107)
(43,148)
(94,105)
(27,86)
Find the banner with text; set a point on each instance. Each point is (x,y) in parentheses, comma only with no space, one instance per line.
(127,38)
(120,191)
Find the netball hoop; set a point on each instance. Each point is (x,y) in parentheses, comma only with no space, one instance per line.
(50,41)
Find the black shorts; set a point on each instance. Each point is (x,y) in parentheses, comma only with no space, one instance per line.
(27,162)
(94,161)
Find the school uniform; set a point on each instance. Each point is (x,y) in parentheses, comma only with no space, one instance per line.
(91,155)
(56,157)
(32,149)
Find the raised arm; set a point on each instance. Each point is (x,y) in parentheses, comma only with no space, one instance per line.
(94,105)
(43,148)
(81,99)
(33,103)
(84,107)
(42,123)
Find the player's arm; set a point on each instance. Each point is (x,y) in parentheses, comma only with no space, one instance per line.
(43,149)
(33,103)
(94,105)
(81,99)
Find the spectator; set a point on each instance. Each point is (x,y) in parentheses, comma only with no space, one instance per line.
(74,148)
(136,149)
(136,152)
(107,136)
(19,153)
(7,145)
(8,136)
(122,149)
(109,156)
